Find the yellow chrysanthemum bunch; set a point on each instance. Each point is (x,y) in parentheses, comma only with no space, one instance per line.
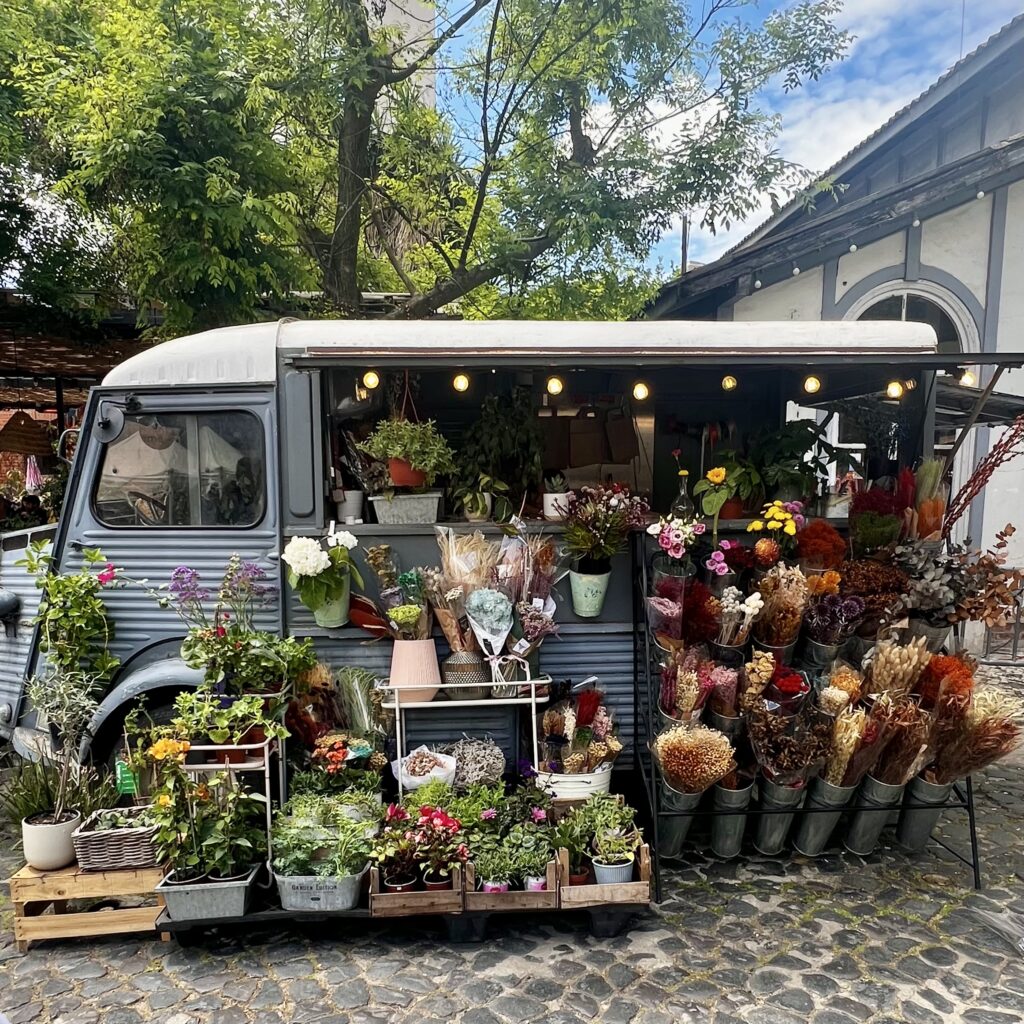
(777,519)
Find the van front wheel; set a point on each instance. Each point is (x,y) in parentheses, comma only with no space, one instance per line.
(109,744)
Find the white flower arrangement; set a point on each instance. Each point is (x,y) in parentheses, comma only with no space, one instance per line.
(321,575)
(738,615)
(306,557)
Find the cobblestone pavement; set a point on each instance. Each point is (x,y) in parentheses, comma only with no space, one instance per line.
(840,940)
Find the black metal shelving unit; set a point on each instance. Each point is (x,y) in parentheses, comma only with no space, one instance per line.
(645,694)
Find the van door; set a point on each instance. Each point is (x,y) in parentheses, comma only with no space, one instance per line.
(166,479)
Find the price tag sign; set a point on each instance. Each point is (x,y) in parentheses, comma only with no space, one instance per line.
(127,781)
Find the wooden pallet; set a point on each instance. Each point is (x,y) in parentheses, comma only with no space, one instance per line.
(499,902)
(580,897)
(34,892)
(404,904)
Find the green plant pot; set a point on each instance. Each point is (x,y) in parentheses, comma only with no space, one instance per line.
(588,592)
(334,614)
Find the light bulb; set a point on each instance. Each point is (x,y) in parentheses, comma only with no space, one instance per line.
(968,379)
(460,382)
(371,379)
(853,247)
(729,382)
(894,389)
(554,385)
(641,392)
(812,384)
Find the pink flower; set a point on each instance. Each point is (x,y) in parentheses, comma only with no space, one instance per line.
(107,575)
(699,528)
(718,557)
(676,452)
(664,540)
(677,551)
(721,568)
(726,545)
(676,536)
(539,815)
(489,814)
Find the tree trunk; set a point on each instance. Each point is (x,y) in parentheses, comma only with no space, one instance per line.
(352,131)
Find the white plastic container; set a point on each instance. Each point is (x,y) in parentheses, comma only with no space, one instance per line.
(575,787)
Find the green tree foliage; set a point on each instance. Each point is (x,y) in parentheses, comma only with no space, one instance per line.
(229,153)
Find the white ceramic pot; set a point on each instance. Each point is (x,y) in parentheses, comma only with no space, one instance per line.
(536,883)
(349,505)
(555,505)
(49,847)
(588,592)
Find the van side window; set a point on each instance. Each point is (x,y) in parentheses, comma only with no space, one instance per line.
(184,469)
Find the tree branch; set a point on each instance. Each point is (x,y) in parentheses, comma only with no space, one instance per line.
(392,255)
(396,75)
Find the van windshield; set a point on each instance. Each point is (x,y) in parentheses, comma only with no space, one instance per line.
(184,469)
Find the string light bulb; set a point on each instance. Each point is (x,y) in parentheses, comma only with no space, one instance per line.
(554,385)
(812,384)
(460,382)
(371,379)
(729,382)
(968,378)
(894,389)
(641,392)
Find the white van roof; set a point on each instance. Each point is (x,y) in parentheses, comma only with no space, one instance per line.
(249,354)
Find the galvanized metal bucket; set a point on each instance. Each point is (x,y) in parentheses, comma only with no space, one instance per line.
(734,726)
(673,829)
(815,657)
(727,829)
(935,636)
(917,824)
(815,829)
(772,829)
(866,825)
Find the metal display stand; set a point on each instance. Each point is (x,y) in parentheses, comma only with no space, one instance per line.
(645,694)
(400,708)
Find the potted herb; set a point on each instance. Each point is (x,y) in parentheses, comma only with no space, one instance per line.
(479,496)
(64,701)
(530,847)
(396,853)
(556,497)
(416,455)
(320,857)
(598,523)
(495,868)
(322,576)
(572,834)
(614,853)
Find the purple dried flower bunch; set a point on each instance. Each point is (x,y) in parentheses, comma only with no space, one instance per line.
(831,619)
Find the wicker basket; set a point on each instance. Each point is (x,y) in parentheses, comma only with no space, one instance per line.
(114,849)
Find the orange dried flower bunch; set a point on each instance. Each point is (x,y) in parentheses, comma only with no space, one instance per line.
(823,583)
(820,545)
(847,679)
(693,760)
(952,675)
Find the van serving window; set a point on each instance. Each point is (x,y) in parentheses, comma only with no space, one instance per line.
(184,469)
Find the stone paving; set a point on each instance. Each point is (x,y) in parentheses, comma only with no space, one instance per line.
(841,940)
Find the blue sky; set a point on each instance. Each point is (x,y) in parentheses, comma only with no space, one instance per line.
(901,47)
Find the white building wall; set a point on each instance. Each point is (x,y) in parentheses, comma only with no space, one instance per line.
(890,251)
(957,241)
(797,298)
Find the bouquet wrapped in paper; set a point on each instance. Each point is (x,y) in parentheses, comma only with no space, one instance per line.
(578,735)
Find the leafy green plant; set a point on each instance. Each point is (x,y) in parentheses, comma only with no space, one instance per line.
(397,856)
(330,850)
(117,817)
(506,443)
(433,794)
(473,498)
(573,834)
(419,444)
(616,846)
(743,477)
(74,631)
(202,713)
(495,865)
(530,848)
(793,458)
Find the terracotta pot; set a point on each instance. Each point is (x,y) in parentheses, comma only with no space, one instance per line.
(403,475)
(399,884)
(732,509)
(580,879)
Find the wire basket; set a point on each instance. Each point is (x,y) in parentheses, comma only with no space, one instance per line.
(114,849)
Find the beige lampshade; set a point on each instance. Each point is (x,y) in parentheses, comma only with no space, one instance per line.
(414,670)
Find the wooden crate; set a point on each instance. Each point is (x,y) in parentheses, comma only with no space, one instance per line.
(510,901)
(579,897)
(34,892)
(406,904)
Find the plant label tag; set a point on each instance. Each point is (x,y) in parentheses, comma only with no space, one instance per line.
(127,781)
(538,603)
(522,645)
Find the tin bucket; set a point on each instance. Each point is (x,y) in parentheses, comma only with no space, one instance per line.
(917,824)
(866,825)
(772,829)
(673,829)
(815,829)
(733,726)
(727,829)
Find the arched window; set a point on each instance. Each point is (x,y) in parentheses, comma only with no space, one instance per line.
(917,309)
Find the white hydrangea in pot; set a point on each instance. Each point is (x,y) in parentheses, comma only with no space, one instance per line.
(321,572)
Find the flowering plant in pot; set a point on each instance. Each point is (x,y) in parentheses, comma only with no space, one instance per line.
(781,520)
(598,523)
(714,491)
(416,453)
(439,844)
(63,699)
(395,851)
(322,576)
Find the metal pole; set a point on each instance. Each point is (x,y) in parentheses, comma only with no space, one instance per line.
(972,419)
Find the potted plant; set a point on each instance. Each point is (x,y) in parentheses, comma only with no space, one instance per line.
(572,834)
(746,481)
(439,846)
(495,869)
(793,459)
(598,522)
(395,853)
(556,497)
(322,576)
(614,853)
(530,847)
(320,857)
(64,701)
(210,834)
(204,717)
(416,455)
(479,497)
(714,491)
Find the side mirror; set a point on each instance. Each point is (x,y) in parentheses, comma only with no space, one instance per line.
(67,443)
